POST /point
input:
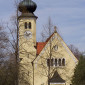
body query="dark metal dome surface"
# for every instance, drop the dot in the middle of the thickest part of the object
(27, 6)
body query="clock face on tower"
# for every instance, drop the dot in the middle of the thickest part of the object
(28, 35)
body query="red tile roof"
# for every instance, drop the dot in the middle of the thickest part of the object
(40, 46)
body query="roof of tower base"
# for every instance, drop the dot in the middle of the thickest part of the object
(27, 15)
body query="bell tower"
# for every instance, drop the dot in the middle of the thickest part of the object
(27, 20)
(27, 40)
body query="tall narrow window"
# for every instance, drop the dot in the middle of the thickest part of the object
(63, 62)
(51, 62)
(48, 62)
(59, 62)
(29, 25)
(25, 25)
(55, 62)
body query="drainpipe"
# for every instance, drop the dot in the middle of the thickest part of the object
(33, 71)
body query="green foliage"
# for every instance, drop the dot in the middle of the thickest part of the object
(79, 73)
(8, 74)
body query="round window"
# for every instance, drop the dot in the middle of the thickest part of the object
(55, 47)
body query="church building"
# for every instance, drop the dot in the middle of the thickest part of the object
(42, 63)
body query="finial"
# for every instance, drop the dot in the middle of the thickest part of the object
(55, 29)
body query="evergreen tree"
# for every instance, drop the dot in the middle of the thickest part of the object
(79, 73)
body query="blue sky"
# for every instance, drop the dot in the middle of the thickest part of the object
(67, 15)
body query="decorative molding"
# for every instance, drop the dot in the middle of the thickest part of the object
(62, 43)
(70, 54)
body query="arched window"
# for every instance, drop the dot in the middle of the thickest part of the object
(48, 62)
(52, 62)
(29, 25)
(59, 62)
(63, 62)
(25, 25)
(55, 62)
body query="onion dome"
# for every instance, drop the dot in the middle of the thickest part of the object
(27, 6)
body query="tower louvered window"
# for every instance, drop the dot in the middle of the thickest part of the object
(25, 25)
(29, 25)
